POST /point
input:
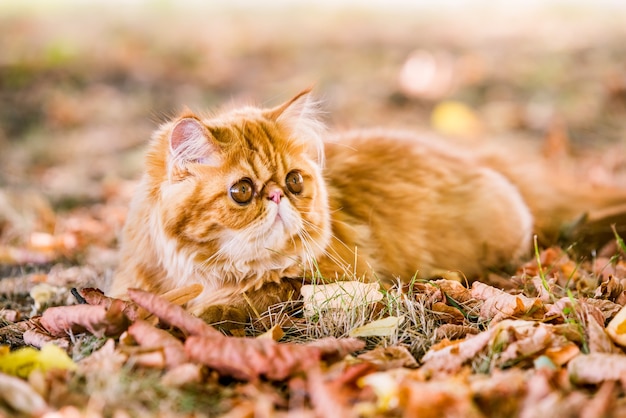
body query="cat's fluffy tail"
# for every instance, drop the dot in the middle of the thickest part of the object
(563, 205)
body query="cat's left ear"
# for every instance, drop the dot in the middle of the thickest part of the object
(301, 116)
(190, 141)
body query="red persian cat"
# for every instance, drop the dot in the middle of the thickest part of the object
(251, 201)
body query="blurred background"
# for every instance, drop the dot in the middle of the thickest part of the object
(84, 83)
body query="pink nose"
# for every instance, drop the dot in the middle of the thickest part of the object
(275, 195)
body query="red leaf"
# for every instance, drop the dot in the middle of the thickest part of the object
(151, 337)
(250, 358)
(172, 314)
(96, 297)
(98, 320)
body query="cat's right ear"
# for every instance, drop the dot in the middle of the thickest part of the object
(190, 141)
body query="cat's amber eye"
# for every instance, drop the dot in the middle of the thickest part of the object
(242, 191)
(294, 182)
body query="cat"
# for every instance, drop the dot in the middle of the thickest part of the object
(251, 201)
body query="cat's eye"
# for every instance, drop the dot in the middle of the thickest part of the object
(242, 191)
(294, 182)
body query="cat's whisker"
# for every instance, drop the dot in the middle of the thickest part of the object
(332, 236)
(325, 252)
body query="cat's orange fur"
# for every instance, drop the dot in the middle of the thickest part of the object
(381, 205)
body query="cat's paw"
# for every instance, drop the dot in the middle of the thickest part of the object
(225, 317)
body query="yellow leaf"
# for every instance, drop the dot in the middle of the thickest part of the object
(23, 361)
(380, 328)
(455, 119)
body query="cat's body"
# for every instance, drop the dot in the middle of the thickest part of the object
(243, 202)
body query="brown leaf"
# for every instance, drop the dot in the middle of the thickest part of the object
(105, 360)
(502, 390)
(387, 358)
(609, 289)
(448, 313)
(21, 397)
(183, 374)
(152, 338)
(606, 307)
(596, 368)
(454, 332)
(331, 347)
(326, 399)
(251, 358)
(96, 297)
(597, 338)
(454, 290)
(37, 339)
(172, 314)
(500, 305)
(98, 320)
(447, 398)
(451, 358)
(600, 404)
(527, 340)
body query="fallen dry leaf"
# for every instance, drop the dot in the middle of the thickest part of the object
(560, 355)
(21, 397)
(172, 314)
(326, 399)
(61, 320)
(251, 358)
(499, 305)
(386, 386)
(502, 390)
(106, 359)
(340, 295)
(526, 340)
(331, 347)
(606, 307)
(596, 368)
(452, 357)
(94, 296)
(449, 398)
(23, 361)
(183, 374)
(600, 404)
(152, 338)
(454, 290)
(610, 289)
(380, 328)
(390, 357)
(448, 313)
(454, 332)
(37, 338)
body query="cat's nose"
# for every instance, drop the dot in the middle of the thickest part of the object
(275, 195)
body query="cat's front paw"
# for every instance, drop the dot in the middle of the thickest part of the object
(224, 317)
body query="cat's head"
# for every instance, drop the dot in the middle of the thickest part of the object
(243, 189)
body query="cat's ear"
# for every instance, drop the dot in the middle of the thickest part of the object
(301, 116)
(190, 141)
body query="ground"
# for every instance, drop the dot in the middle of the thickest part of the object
(83, 86)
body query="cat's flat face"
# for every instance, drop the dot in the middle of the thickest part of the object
(244, 190)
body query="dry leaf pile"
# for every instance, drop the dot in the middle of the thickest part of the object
(550, 345)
